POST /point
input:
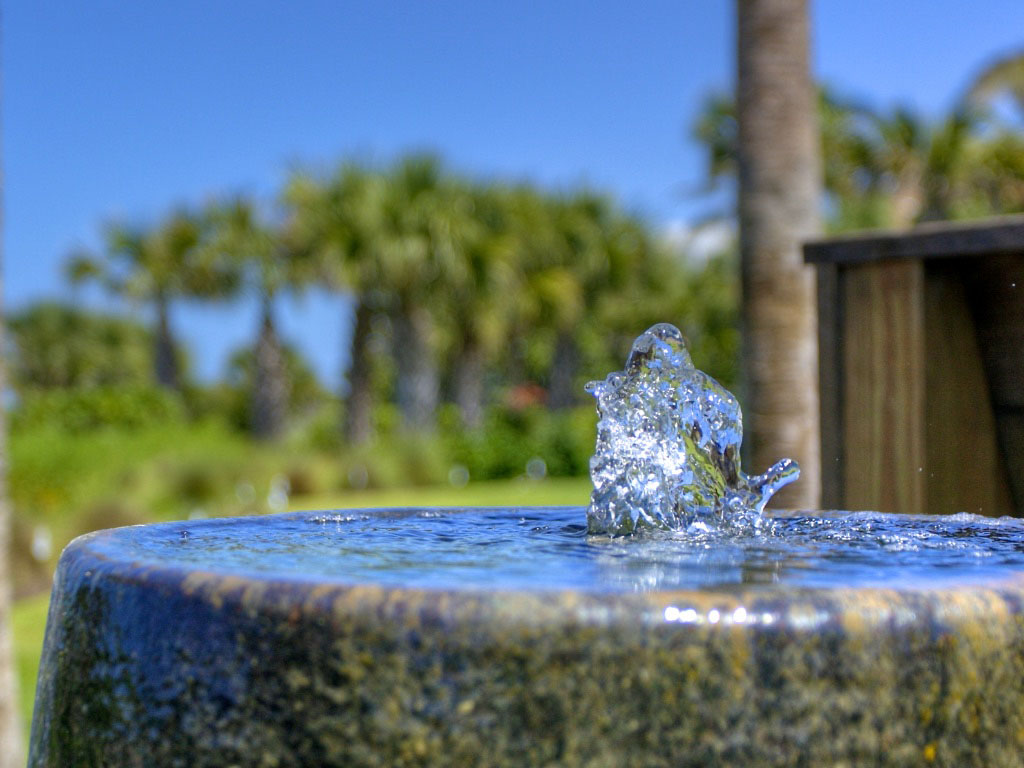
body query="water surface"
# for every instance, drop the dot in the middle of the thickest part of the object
(548, 548)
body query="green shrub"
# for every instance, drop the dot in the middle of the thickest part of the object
(199, 482)
(82, 410)
(109, 514)
(509, 439)
(302, 481)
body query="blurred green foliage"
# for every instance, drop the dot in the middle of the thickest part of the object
(892, 168)
(82, 409)
(58, 346)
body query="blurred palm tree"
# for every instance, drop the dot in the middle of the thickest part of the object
(997, 166)
(242, 241)
(154, 266)
(482, 289)
(894, 169)
(423, 226)
(1003, 78)
(339, 223)
(564, 267)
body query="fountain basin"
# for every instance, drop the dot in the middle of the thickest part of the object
(162, 652)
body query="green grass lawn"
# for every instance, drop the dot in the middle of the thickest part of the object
(29, 618)
(496, 493)
(28, 622)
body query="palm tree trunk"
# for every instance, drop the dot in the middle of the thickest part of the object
(418, 385)
(358, 427)
(563, 372)
(270, 382)
(779, 175)
(469, 383)
(166, 362)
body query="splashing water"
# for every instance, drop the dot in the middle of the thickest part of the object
(668, 447)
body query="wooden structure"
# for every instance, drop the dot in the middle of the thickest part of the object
(922, 368)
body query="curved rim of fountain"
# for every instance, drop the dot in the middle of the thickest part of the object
(717, 608)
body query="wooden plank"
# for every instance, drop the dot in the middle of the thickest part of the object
(1004, 235)
(884, 378)
(963, 467)
(830, 383)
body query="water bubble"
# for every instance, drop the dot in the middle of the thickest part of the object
(358, 476)
(536, 468)
(281, 482)
(245, 493)
(458, 476)
(42, 544)
(277, 497)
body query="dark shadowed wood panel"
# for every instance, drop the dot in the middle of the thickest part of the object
(884, 380)
(963, 467)
(995, 291)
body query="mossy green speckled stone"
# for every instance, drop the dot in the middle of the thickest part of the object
(158, 665)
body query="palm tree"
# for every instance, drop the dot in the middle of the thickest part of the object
(779, 182)
(239, 239)
(997, 165)
(422, 225)
(1004, 77)
(994, 179)
(855, 182)
(154, 266)
(339, 222)
(561, 253)
(481, 291)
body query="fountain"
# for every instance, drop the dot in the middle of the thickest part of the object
(674, 623)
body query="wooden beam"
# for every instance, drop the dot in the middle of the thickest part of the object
(927, 241)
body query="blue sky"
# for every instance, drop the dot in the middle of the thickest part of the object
(122, 110)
